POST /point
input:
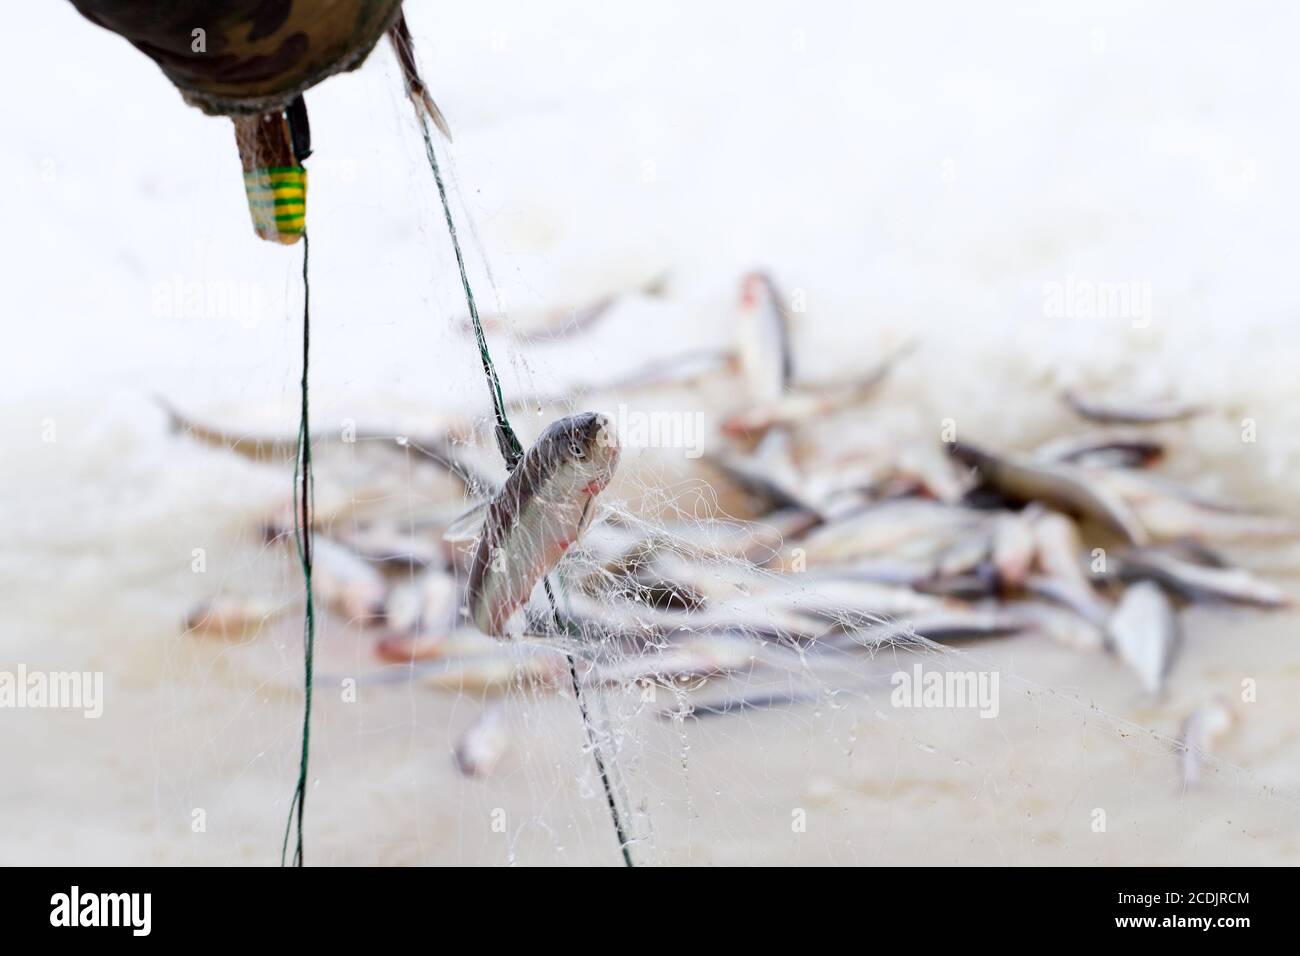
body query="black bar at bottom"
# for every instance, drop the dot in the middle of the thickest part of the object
(329, 906)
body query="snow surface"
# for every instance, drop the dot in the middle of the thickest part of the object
(921, 170)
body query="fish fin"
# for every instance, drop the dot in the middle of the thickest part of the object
(399, 34)
(656, 287)
(434, 114)
(176, 422)
(469, 526)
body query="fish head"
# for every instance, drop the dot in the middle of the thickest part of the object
(756, 290)
(584, 451)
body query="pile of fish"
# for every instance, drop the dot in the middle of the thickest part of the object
(1080, 541)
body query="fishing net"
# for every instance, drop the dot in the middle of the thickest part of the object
(784, 636)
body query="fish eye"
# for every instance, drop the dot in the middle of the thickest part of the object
(576, 450)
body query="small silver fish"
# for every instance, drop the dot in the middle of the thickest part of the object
(975, 585)
(1063, 626)
(775, 490)
(1064, 581)
(1130, 412)
(769, 700)
(232, 616)
(1065, 593)
(752, 619)
(1135, 486)
(1197, 582)
(1170, 512)
(720, 581)
(1061, 486)
(1014, 546)
(943, 626)
(390, 547)
(909, 574)
(484, 742)
(766, 360)
(903, 528)
(348, 584)
(852, 600)
(719, 538)
(254, 447)
(563, 322)
(966, 554)
(612, 546)
(801, 403)
(696, 657)
(1169, 518)
(546, 504)
(681, 370)
(1103, 449)
(507, 666)
(437, 449)
(1202, 731)
(769, 473)
(463, 660)
(1143, 631)
(419, 615)
(621, 614)
(931, 472)
(1058, 546)
(425, 604)
(405, 647)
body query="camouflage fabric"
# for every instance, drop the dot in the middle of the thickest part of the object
(252, 56)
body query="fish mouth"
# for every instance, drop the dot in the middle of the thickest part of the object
(604, 435)
(737, 427)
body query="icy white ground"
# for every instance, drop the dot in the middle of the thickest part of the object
(929, 170)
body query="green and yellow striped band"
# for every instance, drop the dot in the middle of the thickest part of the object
(277, 200)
